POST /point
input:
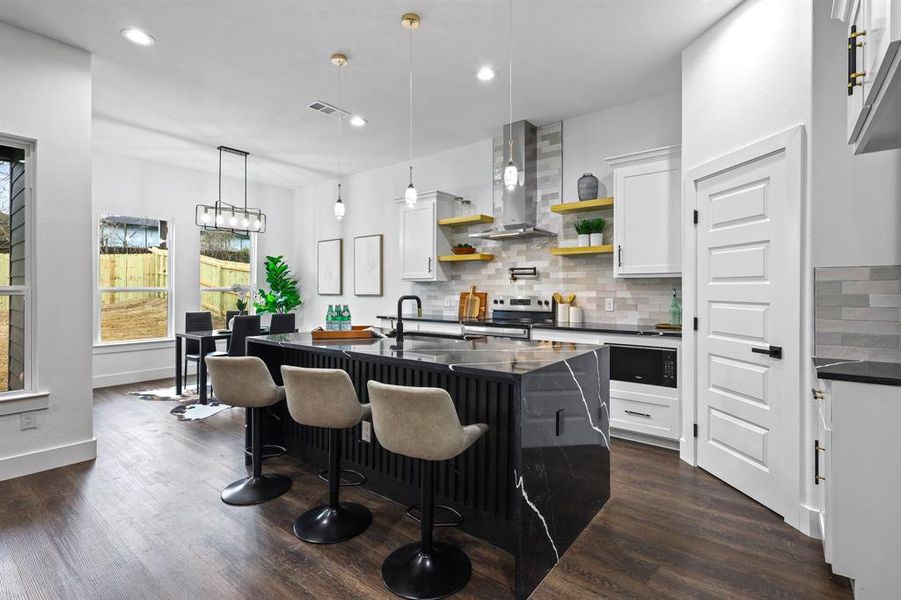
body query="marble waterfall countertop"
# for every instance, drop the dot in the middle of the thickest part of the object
(493, 356)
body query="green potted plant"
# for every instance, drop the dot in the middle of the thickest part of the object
(283, 295)
(597, 232)
(583, 229)
(463, 249)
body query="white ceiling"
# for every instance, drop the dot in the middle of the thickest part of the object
(241, 72)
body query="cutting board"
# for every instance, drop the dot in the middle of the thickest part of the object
(483, 303)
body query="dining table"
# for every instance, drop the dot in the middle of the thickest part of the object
(205, 339)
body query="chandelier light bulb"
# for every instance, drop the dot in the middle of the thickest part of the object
(256, 224)
(205, 217)
(233, 220)
(245, 222)
(220, 219)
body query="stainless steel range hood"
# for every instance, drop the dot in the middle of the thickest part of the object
(519, 211)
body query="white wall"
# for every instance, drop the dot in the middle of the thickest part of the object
(856, 199)
(590, 138)
(746, 78)
(465, 171)
(45, 95)
(134, 187)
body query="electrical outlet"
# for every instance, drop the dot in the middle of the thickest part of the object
(28, 420)
(447, 302)
(608, 304)
(366, 432)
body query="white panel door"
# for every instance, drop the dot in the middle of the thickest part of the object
(748, 284)
(417, 241)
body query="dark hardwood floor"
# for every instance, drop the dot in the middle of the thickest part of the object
(145, 521)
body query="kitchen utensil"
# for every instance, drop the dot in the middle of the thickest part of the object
(570, 299)
(472, 304)
(483, 305)
(558, 297)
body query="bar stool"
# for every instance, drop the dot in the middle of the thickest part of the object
(326, 398)
(422, 423)
(245, 381)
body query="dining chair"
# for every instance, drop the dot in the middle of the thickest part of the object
(242, 327)
(196, 321)
(282, 323)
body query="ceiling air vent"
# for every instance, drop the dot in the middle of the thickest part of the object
(327, 109)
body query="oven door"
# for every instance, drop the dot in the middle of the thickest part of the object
(643, 364)
(506, 331)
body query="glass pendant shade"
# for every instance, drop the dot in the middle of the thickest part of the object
(511, 175)
(410, 196)
(339, 205)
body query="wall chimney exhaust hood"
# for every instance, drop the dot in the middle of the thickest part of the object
(519, 209)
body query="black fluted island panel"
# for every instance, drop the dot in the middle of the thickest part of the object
(532, 484)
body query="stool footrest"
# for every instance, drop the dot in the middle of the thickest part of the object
(415, 513)
(269, 451)
(361, 479)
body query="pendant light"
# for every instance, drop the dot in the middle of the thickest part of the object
(223, 216)
(339, 60)
(511, 174)
(410, 21)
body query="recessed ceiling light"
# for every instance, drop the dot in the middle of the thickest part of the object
(357, 121)
(136, 36)
(486, 74)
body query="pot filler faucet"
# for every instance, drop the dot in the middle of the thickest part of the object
(399, 326)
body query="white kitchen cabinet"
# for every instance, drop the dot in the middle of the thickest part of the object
(874, 75)
(647, 209)
(859, 483)
(421, 240)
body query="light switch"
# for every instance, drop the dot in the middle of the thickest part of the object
(608, 304)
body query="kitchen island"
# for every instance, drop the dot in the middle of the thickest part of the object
(531, 484)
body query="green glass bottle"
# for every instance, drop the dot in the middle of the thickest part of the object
(675, 310)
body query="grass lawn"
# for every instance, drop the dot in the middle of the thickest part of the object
(138, 319)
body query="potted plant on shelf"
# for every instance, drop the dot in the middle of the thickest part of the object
(283, 295)
(596, 237)
(583, 228)
(463, 249)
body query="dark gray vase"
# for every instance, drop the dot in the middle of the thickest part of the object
(588, 187)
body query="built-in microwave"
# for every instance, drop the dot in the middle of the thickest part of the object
(643, 364)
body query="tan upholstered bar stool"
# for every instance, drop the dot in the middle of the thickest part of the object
(245, 381)
(326, 398)
(422, 423)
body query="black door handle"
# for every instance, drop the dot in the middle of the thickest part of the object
(772, 351)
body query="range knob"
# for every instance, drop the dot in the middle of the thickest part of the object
(494, 301)
(501, 301)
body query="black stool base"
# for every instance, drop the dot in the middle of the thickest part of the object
(410, 574)
(326, 525)
(254, 490)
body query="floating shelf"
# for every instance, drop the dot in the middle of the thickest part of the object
(466, 220)
(583, 206)
(575, 250)
(466, 257)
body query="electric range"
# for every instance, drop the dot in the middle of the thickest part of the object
(513, 317)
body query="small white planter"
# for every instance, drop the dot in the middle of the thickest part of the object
(584, 240)
(596, 239)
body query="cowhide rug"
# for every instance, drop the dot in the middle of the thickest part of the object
(188, 409)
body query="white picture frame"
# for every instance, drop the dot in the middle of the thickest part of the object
(368, 265)
(330, 257)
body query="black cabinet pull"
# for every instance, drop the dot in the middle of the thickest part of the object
(619, 255)
(772, 351)
(638, 414)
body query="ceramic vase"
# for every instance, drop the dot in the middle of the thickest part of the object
(588, 187)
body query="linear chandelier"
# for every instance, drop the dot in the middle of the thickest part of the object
(222, 216)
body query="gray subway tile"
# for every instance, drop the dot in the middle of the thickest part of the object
(828, 338)
(843, 300)
(870, 314)
(842, 352)
(828, 287)
(834, 312)
(883, 327)
(883, 355)
(885, 273)
(839, 326)
(887, 286)
(885, 299)
(842, 273)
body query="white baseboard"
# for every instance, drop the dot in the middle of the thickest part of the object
(810, 522)
(101, 381)
(49, 458)
(644, 439)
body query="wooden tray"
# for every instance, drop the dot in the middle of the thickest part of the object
(668, 326)
(483, 304)
(357, 332)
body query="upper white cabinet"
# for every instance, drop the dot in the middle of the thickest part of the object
(421, 240)
(874, 75)
(647, 227)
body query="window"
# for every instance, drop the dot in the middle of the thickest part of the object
(225, 261)
(14, 280)
(133, 279)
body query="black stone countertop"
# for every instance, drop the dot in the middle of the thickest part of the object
(494, 357)
(861, 371)
(648, 330)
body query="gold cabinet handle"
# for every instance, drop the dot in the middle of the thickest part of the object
(821, 478)
(820, 448)
(857, 34)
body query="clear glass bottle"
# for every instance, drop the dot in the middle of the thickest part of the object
(675, 310)
(347, 318)
(330, 318)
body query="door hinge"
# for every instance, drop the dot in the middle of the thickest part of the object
(696, 430)
(695, 323)
(696, 216)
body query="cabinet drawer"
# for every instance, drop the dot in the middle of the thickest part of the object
(644, 413)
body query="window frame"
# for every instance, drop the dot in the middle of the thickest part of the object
(169, 289)
(251, 309)
(30, 380)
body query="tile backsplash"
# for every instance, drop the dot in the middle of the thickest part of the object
(858, 313)
(590, 278)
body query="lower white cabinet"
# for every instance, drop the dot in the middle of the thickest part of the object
(858, 475)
